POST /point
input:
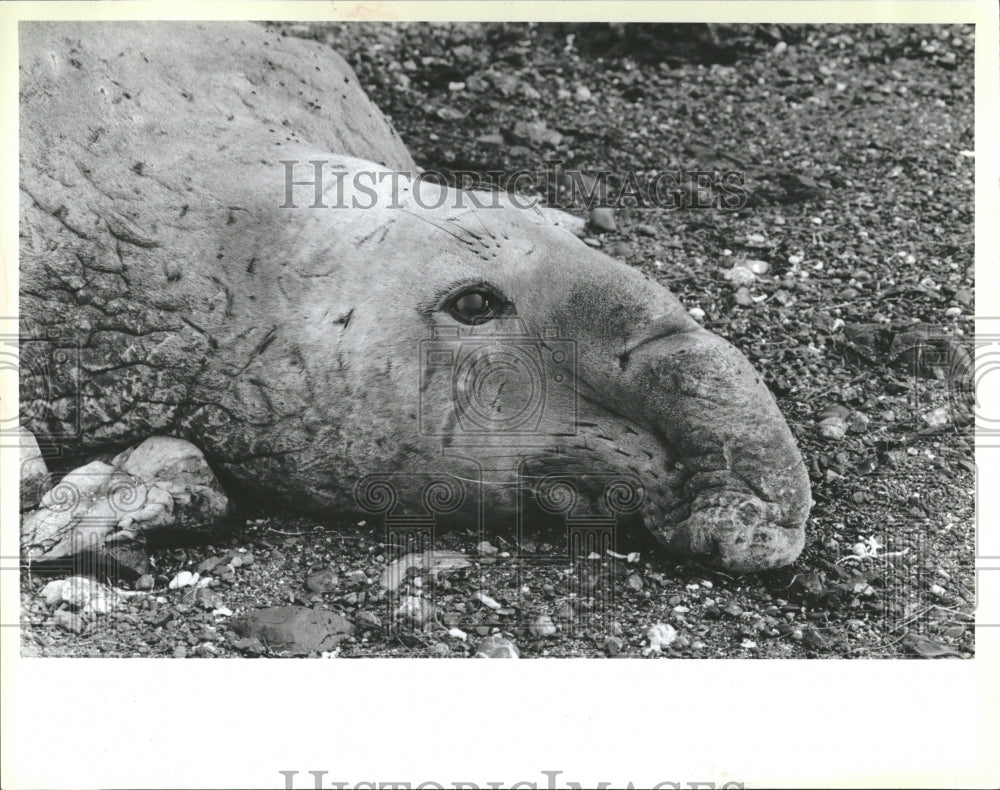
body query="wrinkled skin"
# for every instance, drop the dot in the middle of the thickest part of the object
(164, 291)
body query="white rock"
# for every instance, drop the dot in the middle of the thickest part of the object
(458, 633)
(697, 313)
(183, 579)
(740, 275)
(660, 636)
(415, 609)
(484, 599)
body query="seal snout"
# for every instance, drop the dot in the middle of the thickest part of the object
(744, 497)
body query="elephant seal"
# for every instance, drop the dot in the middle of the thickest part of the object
(342, 343)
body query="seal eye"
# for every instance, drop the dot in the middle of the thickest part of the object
(475, 306)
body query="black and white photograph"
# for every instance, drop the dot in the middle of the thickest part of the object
(394, 335)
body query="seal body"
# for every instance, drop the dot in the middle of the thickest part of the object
(223, 240)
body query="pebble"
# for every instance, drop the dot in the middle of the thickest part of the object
(542, 626)
(660, 635)
(323, 581)
(634, 582)
(743, 297)
(207, 649)
(697, 313)
(602, 218)
(145, 582)
(645, 230)
(486, 600)
(613, 645)
(496, 646)
(369, 619)
(859, 549)
(183, 579)
(937, 589)
(487, 549)
(417, 610)
(68, 621)
(180, 651)
(207, 565)
(733, 610)
(356, 577)
(834, 428)
(583, 93)
(740, 275)
(758, 267)
(458, 633)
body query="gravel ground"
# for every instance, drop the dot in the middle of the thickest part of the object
(856, 145)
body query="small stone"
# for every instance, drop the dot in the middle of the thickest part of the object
(542, 626)
(758, 267)
(367, 619)
(440, 649)
(953, 312)
(207, 566)
(486, 600)
(733, 610)
(68, 621)
(206, 599)
(207, 649)
(634, 582)
(456, 86)
(613, 645)
(660, 636)
(834, 428)
(938, 418)
(486, 548)
(583, 93)
(418, 611)
(356, 576)
(697, 313)
(496, 646)
(458, 633)
(145, 582)
(740, 275)
(323, 581)
(743, 298)
(603, 219)
(183, 579)
(645, 230)
(490, 140)
(247, 559)
(937, 590)
(859, 549)
(180, 651)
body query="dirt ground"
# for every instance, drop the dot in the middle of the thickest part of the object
(856, 149)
